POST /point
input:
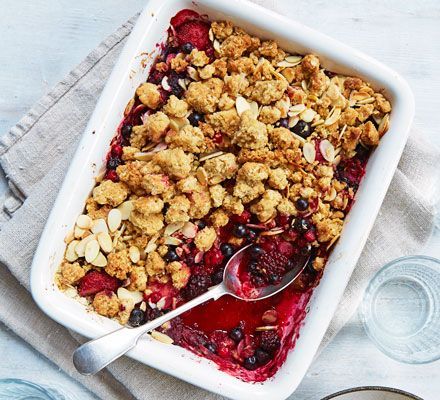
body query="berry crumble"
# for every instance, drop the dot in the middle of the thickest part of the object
(231, 141)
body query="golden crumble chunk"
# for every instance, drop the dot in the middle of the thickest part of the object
(224, 121)
(174, 162)
(155, 183)
(155, 265)
(278, 178)
(204, 96)
(370, 135)
(220, 168)
(108, 192)
(150, 224)
(125, 308)
(180, 274)
(269, 114)
(265, 208)
(71, 272)
(148, 205)
(175, 107)
(218, 193)
(252, 133)
(198, 58)
(235, 45)
(118, 264)
(106, 304)
(189, 138)
(205, 238)
(222, 29)
(236, 83)
(266, 92)
(219, 218)
(149, 95)
(157, 125)
(178, 209)
(138, 279)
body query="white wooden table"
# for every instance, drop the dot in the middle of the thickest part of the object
(42, 40)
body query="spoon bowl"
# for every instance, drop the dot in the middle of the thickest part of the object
(96, 354)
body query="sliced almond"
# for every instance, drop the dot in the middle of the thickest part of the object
(272, 232)
(84, 222)
(69, 237)
(143, 156)
(151, 246)
(285, 64)
(126, 208)
(172, 228)
(193, 73)
(105, 242)
(165, 84)
(304, 86)
(332, 195)
(91, 250)
(296, 110)
(161, 303)
(254, 109)
(143, 306)
(293, 121)
(99, 261)
(211, 155)
(99, 225)
(189, 230)
(129, 107)
(241, 105)
(266, 328)
(300, 138)
(384, 125)
(333, 116)
(71, 254)
(337, 160)
(114, 219)
(79, 232)
(202, 176)
(309, 152)
(368, 100)
(135, 296)
(172, 241)
(161, 337)
(308, 115)
(211, 35)
(182, 83)
(317, 123)
(80, 248)
(135, 254)
(327, 150)
(216, 45)
(71, 292)
(293, 59)
(176, 124)
(269, 316)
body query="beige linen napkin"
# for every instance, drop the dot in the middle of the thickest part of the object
(35, 155)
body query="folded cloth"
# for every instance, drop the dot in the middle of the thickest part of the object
(35, 155)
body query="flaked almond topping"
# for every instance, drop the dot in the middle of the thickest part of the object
(189, 230)
(272, 232)
(182, 83)
(161, 303)
(285, 64)
(143, 306)
(172, 228)
(71, 254)
(317, 123)
(193, 73)
(99, 225)
(142, 156)
(114, 219)
(199, 256)
(211, 35)
(84, 222)
(331, 196)
(241, 105)
(80, 248)
(151, 246)
(202, 176)
(308, 115)
(384, 125)
(333, 116)
(304, 86)
(216, 45)
(368, 100)
(161, 337)
(337, 160)
(211, 155)
(79, 232)
(296, 110)
(135, 296)
(91, 251)
(254, 109)
(266, 328)
(126, 208)
(172, 241)
(293, 121)
(129, 107)
(176, 124)
(294, 59)
(69, 237)
(71, 292)
(105, 242)
(135, 254)
(165, 84)
(341, 134)
(333, 241)
(327, 150)
(269, 317)
(99, 261)
(309, 152)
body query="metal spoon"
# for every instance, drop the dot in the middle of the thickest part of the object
(96, 354)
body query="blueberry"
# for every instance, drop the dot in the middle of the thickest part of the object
(301, 225)
(302, 129)
(171, 255)
(187, 48)
(301, 204)
(113, 163)
(239, 230)
(126, 130)
(236, 334)
(227, 249)
(261, 356)
(173, 81)
(250, 363)
(211, 347)
(284, 122)
(201, 224)
(195, 118)
(256, 251)
(137, 317)
(217, 277)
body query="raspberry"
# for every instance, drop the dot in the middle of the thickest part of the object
(197, 285)
(243, 218)
(155, 76)
(183, 16)
(194, 32)
(269, 341)
(350, 172)
(213, 259)
(96, 281)
(112, 175)
(117, 151)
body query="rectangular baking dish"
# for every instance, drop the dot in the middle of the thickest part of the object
(89, 160)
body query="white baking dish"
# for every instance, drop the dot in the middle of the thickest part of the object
(90, 157)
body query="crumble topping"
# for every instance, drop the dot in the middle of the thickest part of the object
(232, 140)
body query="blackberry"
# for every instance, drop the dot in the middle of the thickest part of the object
(197, 285)
(270, 341)
(261, 356)
(152, 313)
(217, 277)
(255, 251)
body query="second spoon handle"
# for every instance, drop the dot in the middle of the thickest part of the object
(96, 354)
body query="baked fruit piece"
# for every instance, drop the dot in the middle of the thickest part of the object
(232, 140)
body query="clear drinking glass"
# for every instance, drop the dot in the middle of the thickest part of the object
(401, 309)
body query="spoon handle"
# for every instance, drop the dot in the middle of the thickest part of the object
(96, 354)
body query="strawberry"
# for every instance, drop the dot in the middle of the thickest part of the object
(183, 16)
(194, 32)
(96, 281)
